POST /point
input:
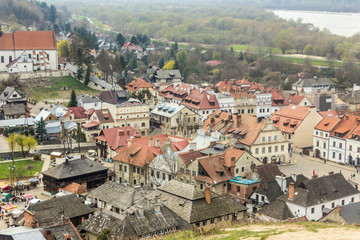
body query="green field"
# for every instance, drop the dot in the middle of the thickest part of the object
(52, 89)
(20, 168)
(314, 62)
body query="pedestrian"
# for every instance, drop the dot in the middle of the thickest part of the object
(313, 172)
(294, 161)
(357, 170)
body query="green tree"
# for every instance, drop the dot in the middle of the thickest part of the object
(64, 48)
(120, 40)
(52, 14)
(309, 49)
(87, 75)
(169, 65)
(161, 62)
(40, 130)
(30, 142)
(241, 56)
(79, 73)
(133, 63)
(134, 40)
(73, 101)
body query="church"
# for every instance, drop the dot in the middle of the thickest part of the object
(28, 51)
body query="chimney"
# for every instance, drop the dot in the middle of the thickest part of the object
(47, 234)
(331, 173)
(207, 194)
(291, 191)
(129, 142)
(128, 132)
(314, 176)
(121, 132)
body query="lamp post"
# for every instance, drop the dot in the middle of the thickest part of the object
(13, 163)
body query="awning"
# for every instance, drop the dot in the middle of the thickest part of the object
(8, 207)
(27, 195)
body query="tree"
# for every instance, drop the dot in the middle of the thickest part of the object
(103, 235)
(134, 40)
(133, 63)
(30, 142)
(120, 40)
(87, 75)
(40, 130)
(20, 142)
(161, 62)
(52, 14)
(105, 63)
(79, 73)
(64, 48)
(283, 45)
(79, 56)
(308, 49)
(241, 56)
(169, 65)
(73, 101)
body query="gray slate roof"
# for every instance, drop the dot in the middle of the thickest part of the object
(119, 195)
(114, 97)
(74, 168)
(351, 213)
(89, 99)
(7, 93)
(16, 109)
(184, 190)
(49, 212)
(165, 74)
(16, 122)
(60, 231)
(100, 82)
(311, 82)
(321, 190)
(271, 190)
(22, 233)
(277, 209)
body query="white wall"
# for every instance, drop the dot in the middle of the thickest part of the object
(264, 105)
(340, 153)
(321, 137)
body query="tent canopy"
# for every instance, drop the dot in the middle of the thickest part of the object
(27, 195)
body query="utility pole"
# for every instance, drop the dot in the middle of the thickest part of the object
(13, 164)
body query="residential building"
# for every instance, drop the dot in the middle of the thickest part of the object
(99, 119)
(27, 51)
(111, 139)
(201, 102)
(13, 111)
(297, 124)
(89, 102)
(264, 104)
(39, 106)
(83, 171)
(310, 85)
(314, 197)
(12, 96)
(175, 92)
(245, 104)
(113, 97)
(132, 164)
(322, 133)
(226, 102)
(174, 118)
(22, 233)
(353, 147)
(298, 100)
(340, 135)
(242, 188)
(131, 48)
(77, 115)
(199, 207)
(131, 113)
(347, 214)
(167, 76)
(140, 85)
(188, 165)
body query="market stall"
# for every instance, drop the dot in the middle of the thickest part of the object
(6, 197)
(8, 207)
(27, 196)
(5, 188)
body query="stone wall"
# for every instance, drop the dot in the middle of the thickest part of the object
(31, 75)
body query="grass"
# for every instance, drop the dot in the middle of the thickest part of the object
(314, 62)
(52, 90)
(20, 166)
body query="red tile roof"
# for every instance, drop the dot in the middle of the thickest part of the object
(74, 188)
(28, 40)
(189, 157)
(294, 99)
(90, 124)
(79, 112)
(117, 137)
(332, 114)
(215, 170)
(344, 128)
(232, 155)
(327, 124)
(289, 118)
(103, 116)
(178, 143)
(137, 84)
(200, 99)
(134, 154)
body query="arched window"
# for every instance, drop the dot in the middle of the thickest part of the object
(2, 59)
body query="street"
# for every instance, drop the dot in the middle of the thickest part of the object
(306, 165)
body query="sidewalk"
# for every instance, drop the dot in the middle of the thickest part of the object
(345, 167)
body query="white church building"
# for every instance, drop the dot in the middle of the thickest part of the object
(28, 51)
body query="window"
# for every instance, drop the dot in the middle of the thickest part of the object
(187, 172)
(237, 189)
(262, 198)
(163, 176)
(322, 207)
(193, 173)
(325, 145)
(204, 223)
(243, 169)
(143, 124)
(201, 186)
(256, 150)
(152, 172)
(334, 144)
(340, 145)
(350, 147)
(263, 150)
(333, 205)
(276, 148)
(317, 133)
(269, 149)
(275, 138)
(125, 168)
(343, 202)
(134, 169)
(138, 170)
(237, 170)
(289, 136)
(10, 59)
(37, 57)
(352, 199)
(333, 154)
(312, 210)
(317, 143)
(358, 149)
(120, 167)
(212, 220)
(48, 57)
(157, 174)
(2, 59)
(29, 56)
(263, 139)
(282, 147)
(339, 156)
(269, 138)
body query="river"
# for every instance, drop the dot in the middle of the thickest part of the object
(345, 24)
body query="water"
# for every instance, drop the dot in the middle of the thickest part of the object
(345, 24)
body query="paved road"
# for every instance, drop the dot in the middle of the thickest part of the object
(306, 165)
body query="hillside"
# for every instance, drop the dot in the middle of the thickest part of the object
(282, 231)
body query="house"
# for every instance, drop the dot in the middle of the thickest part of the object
(13, 111)
(140, 85)
(22, 233)
(132, 164)
(201, 102)
(188, 165)
(83, 171)
(343, 146)
(27, 51)
(141, 222)
(245, 104)
(98, 120)
(315, 197)
(199, 207)
(116, 197)
(77, 114)
(297, 124)
(167, 76)
(131, 113)
(20, 122)
(131, 47)
(347, 214)
(322, 133)
(297, 100)
(174, 118)
(53, 212)
(226, 102)
(46, 116)
(73, 188)
(39, 106)
(113, 97)
(242, 188)
(277, 211)
(111, 139)
(89, 102)
(264, 104)
(174, 93)
(310, 85)
(11, 96)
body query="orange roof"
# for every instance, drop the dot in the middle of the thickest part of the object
(344, 128)
(327, 123)
(232, 155)
(200, 99)
(332, 114)
(289, 118)
(25, 40)
(135, 154)
(137, 84)
(178, 143)
(118, 136)
(294, 99)
(214, 169)
(74, 188)
(90, 124)
(189, 157)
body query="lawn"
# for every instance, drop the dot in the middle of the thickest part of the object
(314, 62)
(20, 167)
(51, 89)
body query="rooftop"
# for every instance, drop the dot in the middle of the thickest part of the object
(244, 180)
